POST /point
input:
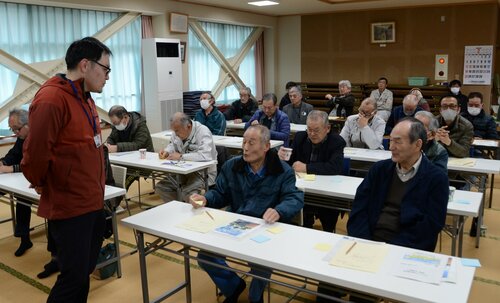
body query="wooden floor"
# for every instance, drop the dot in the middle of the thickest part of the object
(20, 284)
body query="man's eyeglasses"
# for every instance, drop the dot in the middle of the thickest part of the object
(106, 68)
(15, 130)
(451, 106)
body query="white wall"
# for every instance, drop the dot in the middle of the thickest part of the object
(288, 52)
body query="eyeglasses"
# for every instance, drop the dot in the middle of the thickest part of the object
(451, 106)
(314, 131)
(15, 130)
(106, 68)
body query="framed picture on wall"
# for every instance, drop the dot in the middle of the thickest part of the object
(178, 23)
(383, 32)
(183, 51)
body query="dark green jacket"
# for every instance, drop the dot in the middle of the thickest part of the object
(134, 137)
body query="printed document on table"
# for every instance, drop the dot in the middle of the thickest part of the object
(468, 162)
(206, 221)
(238, 228)
(421, 266)
(360, 255)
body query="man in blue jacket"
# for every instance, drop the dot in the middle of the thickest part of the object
(272, 118)
(408, 109)
(256, 184)
(402, 200)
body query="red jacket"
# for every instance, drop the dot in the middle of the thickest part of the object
(60, 155)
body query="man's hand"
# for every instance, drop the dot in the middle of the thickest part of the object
(363, 120)
(255, 122)
(237, 121)
(271, 215)
(6, 169)
(163, 154)
(443, 135)
(328, 96)
(197, 200)
(299, 167)
(174, 156)
(112, 148)
(282, 154)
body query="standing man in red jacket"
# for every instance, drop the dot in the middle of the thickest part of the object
(64, 161)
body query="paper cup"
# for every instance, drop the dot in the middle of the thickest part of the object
(288, 152)
(452, 193)
(142, 153)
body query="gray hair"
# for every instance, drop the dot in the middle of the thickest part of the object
(370, 101)
(247, 89)
(298, 88)
(345, 83)
(417, 130)
(270, 96)
(182, 119)
(433, 122)
(21, 114)
(265, 134)
(410, 99)
(318, 115)
(117, 111)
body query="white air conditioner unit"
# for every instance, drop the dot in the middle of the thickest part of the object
(162, 74)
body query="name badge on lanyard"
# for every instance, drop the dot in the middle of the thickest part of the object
(98, 140)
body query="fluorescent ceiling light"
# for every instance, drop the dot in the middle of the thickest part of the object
(264, 3)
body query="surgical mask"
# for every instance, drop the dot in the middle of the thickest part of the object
(121, 126)
(455, 90)
(449, 114)
(205, 103)
(474, 111)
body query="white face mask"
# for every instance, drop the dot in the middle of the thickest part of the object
(455, 90)
(474, 111)
(121, 126)
(449, 114)
(205, 103)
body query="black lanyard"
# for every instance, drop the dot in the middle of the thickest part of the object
(91, 121)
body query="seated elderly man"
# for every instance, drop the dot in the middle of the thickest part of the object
(191, 141)
(407, 109)
(456, 132)
(485, 126)
(243, 109)
(18, 123)
(256, 184)
(210, 116)
(434, 151)
(298, 110)
(272, 118)
(383, 97)
(130, 131)
(366, 129)
(402, 200)
(345, 100)
(317, 151)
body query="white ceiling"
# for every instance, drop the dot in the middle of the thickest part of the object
(302, 7)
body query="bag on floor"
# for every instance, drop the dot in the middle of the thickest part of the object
(107, 252)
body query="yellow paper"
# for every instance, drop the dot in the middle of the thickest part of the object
(203, 223)
(275, 230)
(199, 202)
(360, 256)
(306, 177)
(468, 162)
(323, 247)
